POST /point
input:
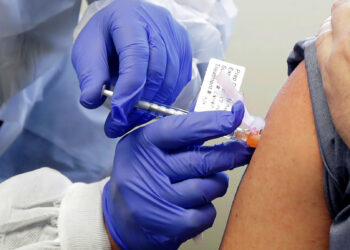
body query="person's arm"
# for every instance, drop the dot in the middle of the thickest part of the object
(280, 203)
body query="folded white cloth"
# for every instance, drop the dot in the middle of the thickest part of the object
(43, 209)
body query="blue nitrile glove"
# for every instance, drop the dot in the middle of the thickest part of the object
(141, 50)
(161, 187)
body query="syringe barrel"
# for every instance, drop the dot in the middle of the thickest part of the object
(153, 108)
(160, 110)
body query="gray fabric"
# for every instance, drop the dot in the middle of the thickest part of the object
(335, 154)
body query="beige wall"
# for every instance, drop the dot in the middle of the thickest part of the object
(264, 35)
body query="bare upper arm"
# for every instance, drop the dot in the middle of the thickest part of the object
(280, 203)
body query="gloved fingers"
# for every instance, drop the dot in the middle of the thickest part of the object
(168, 34)
(172, 72)
(156, 67)
(206, 161)
(131, 44)
(198, 191)
(184, 64)
(155, 77)
(183, 130)
(198, 220)
(92, 68)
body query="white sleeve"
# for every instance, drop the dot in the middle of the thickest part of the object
(42, 209)
(80, 223)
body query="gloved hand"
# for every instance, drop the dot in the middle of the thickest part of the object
(141, 50)
(161, 187)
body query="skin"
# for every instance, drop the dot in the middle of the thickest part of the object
(333, 51)
(114, 245)
(280, 203)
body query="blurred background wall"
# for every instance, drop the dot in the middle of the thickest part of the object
(264, 34)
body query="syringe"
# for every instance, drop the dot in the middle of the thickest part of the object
(153, 108)
(251, 138)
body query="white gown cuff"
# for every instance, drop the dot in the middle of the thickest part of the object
(81, 223)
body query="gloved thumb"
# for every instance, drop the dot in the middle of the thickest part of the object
(184, 130)
(206, 161)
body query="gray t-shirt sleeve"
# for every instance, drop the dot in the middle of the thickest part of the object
(334, 152)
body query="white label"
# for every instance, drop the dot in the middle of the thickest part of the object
(212, 96)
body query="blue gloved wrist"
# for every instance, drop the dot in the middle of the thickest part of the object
(112, 229)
